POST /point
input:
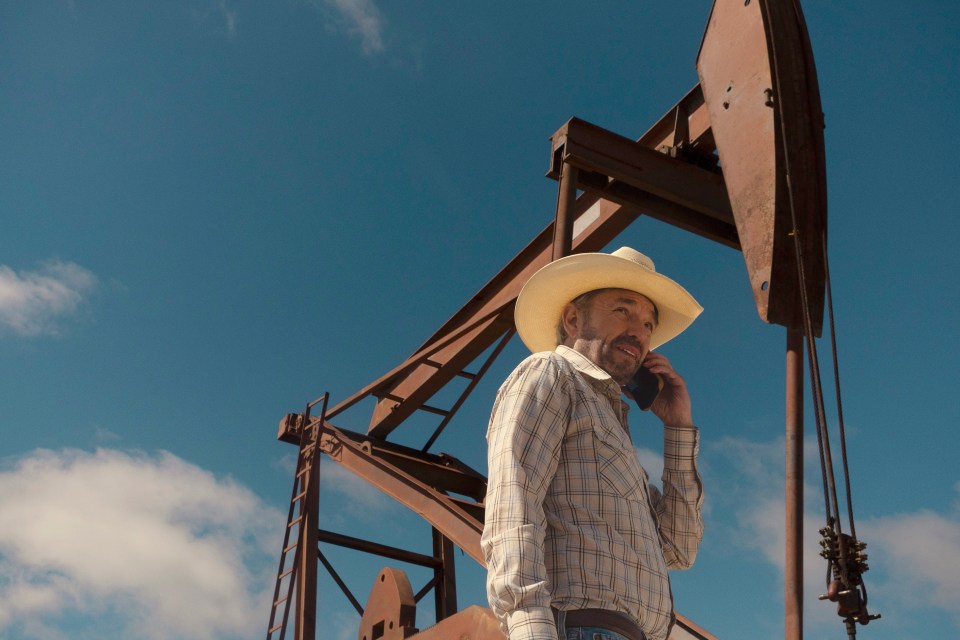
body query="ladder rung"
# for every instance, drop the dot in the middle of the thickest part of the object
(440, 365)
(292, 546)
(284, 574)
(429, 409)
(294, 521)
(280, 601)
(298, 496)
(274, 628)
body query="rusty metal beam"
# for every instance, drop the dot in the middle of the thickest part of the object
(441, 471)
(473, 623)
(474, 380)
(459, 520)
(793, 520)
(633, 175)
(306, 614)
(567, 177)
(687, 124)
(445, 576)
(386, 551)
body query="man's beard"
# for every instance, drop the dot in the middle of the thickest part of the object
(618, 364)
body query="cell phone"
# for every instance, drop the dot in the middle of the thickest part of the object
(644, 387)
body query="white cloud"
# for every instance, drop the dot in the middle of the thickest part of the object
(31, 302)
(363, 19)
(158, 546)
(922, 551)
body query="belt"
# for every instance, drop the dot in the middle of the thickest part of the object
(603, 618)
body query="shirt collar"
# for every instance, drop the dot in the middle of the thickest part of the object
(584, 365)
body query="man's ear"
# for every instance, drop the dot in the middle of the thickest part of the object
(570, 318)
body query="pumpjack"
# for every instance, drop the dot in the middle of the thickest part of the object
(738, 160)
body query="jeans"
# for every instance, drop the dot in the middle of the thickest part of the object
(592, 633)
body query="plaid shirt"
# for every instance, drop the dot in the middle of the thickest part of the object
(571, 521)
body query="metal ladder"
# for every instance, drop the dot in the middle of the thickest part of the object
(302, 496)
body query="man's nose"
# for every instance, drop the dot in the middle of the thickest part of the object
(640, 332)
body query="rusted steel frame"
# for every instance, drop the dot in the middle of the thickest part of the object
(693, 629)
(442, 472)
(425, 589)
(566, 196)
(448, 515)
(385, 551)
(473, 623)
(426, 379)
(595, 149)
(304, 502)
(626, 172)
(445, 588)
(793, 526)
(596, 223)
(466, 392)
(391, 609)
(687, 122)
(422, 356)
(306, 622)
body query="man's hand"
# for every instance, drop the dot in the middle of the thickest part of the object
(673, 403)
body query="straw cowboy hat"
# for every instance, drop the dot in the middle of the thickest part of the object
(543, 297)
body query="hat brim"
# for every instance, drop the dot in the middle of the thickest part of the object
(548, 291)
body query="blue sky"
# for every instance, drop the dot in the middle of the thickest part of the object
(216, 210)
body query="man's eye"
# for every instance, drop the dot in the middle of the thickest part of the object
(649, 326)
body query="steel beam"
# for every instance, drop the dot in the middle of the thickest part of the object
(459, 520)
(793, 521)
(633, 175)
(386, 551)
(445, 575)
(305, 626)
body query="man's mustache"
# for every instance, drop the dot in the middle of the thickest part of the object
(629, 341)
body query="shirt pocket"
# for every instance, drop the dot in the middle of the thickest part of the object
(619, 469)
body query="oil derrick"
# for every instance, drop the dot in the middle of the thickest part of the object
(738, 160)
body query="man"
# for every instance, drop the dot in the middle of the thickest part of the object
(576, 541)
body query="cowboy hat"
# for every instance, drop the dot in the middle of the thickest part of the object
(545, 294)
